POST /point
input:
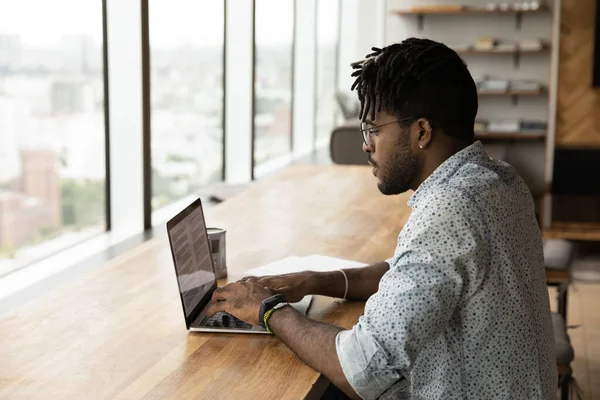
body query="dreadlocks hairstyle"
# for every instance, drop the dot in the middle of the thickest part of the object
(418, 78)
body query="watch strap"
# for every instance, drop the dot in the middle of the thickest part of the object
(269, 313)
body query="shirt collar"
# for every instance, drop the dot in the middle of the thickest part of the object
(447, 169)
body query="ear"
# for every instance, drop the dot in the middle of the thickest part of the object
(424, 132)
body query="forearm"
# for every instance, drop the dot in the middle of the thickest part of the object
(313, 343)
(362, 282)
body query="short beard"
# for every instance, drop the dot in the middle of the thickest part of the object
(402, 169)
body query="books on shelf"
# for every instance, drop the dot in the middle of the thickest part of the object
(510, 126)
(480, 126)
(527, 5)
(534, 126)
(459, 47)
(488, 44)
(504, 125)
(525, 86)
(485, 43)
(531, 45)
(506, 47)
(512, 6)
(486, 84)
(491, 7)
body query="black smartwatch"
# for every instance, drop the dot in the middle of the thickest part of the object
(268, 304)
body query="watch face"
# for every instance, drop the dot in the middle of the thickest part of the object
(268, 304)
(273, 300)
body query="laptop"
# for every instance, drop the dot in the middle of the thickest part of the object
(196, 277)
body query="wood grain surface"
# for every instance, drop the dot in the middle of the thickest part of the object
(118, 332)
(578, 118)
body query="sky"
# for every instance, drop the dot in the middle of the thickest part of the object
(172, 22)
(43, 22)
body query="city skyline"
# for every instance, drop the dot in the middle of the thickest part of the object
(52, 103)
(52, 134)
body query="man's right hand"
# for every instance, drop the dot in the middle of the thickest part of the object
(292, 286)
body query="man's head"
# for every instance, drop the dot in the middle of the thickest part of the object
(418, 107)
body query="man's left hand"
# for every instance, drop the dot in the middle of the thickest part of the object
(240, 299)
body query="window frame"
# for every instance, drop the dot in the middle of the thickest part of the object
(154, 217)
(284, 158)
(317, 143)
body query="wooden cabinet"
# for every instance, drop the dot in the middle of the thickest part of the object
(578, 109)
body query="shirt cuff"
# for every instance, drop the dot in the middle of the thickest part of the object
(364, 363)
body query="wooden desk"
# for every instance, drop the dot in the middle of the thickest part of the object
(118, 332)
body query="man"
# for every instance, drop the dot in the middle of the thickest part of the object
(461, 311)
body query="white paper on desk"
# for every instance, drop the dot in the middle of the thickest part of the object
(294, 264)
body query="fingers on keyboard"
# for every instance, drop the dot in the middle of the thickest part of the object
(225, 320)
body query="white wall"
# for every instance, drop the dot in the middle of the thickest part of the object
(362, 27)
(348, 43)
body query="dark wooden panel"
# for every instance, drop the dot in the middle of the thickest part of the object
(578, 116)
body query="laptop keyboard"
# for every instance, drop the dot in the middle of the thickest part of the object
(224, 320)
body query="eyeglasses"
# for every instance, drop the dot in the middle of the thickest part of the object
(369, 131)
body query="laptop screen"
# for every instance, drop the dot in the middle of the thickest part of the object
(192, 256)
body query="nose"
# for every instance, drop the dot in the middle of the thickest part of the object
(366, 149)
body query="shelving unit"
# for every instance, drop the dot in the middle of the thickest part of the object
(466, 11)
(473, 52)
(421, 12)
(573, 231)
(516, 54)
(520, 93)
(528, 149)
(484, 135)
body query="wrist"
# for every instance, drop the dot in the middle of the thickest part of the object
(278, 317)
(269, 313)
(311, 282)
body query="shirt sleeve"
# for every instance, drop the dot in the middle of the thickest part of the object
(414, 303)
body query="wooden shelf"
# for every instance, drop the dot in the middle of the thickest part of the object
(521, 93)
(573, 231)
(500, 52)
(509, 136)
(557, 276)
(466, 11)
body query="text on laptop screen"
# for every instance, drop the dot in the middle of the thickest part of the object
(193, 262)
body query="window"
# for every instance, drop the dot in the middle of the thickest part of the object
(327, 42)
(274, 37)
(52, 131)
(186, 45)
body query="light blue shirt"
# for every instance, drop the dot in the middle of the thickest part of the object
(463, 312)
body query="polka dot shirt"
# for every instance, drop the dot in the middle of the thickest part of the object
(463, 312)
